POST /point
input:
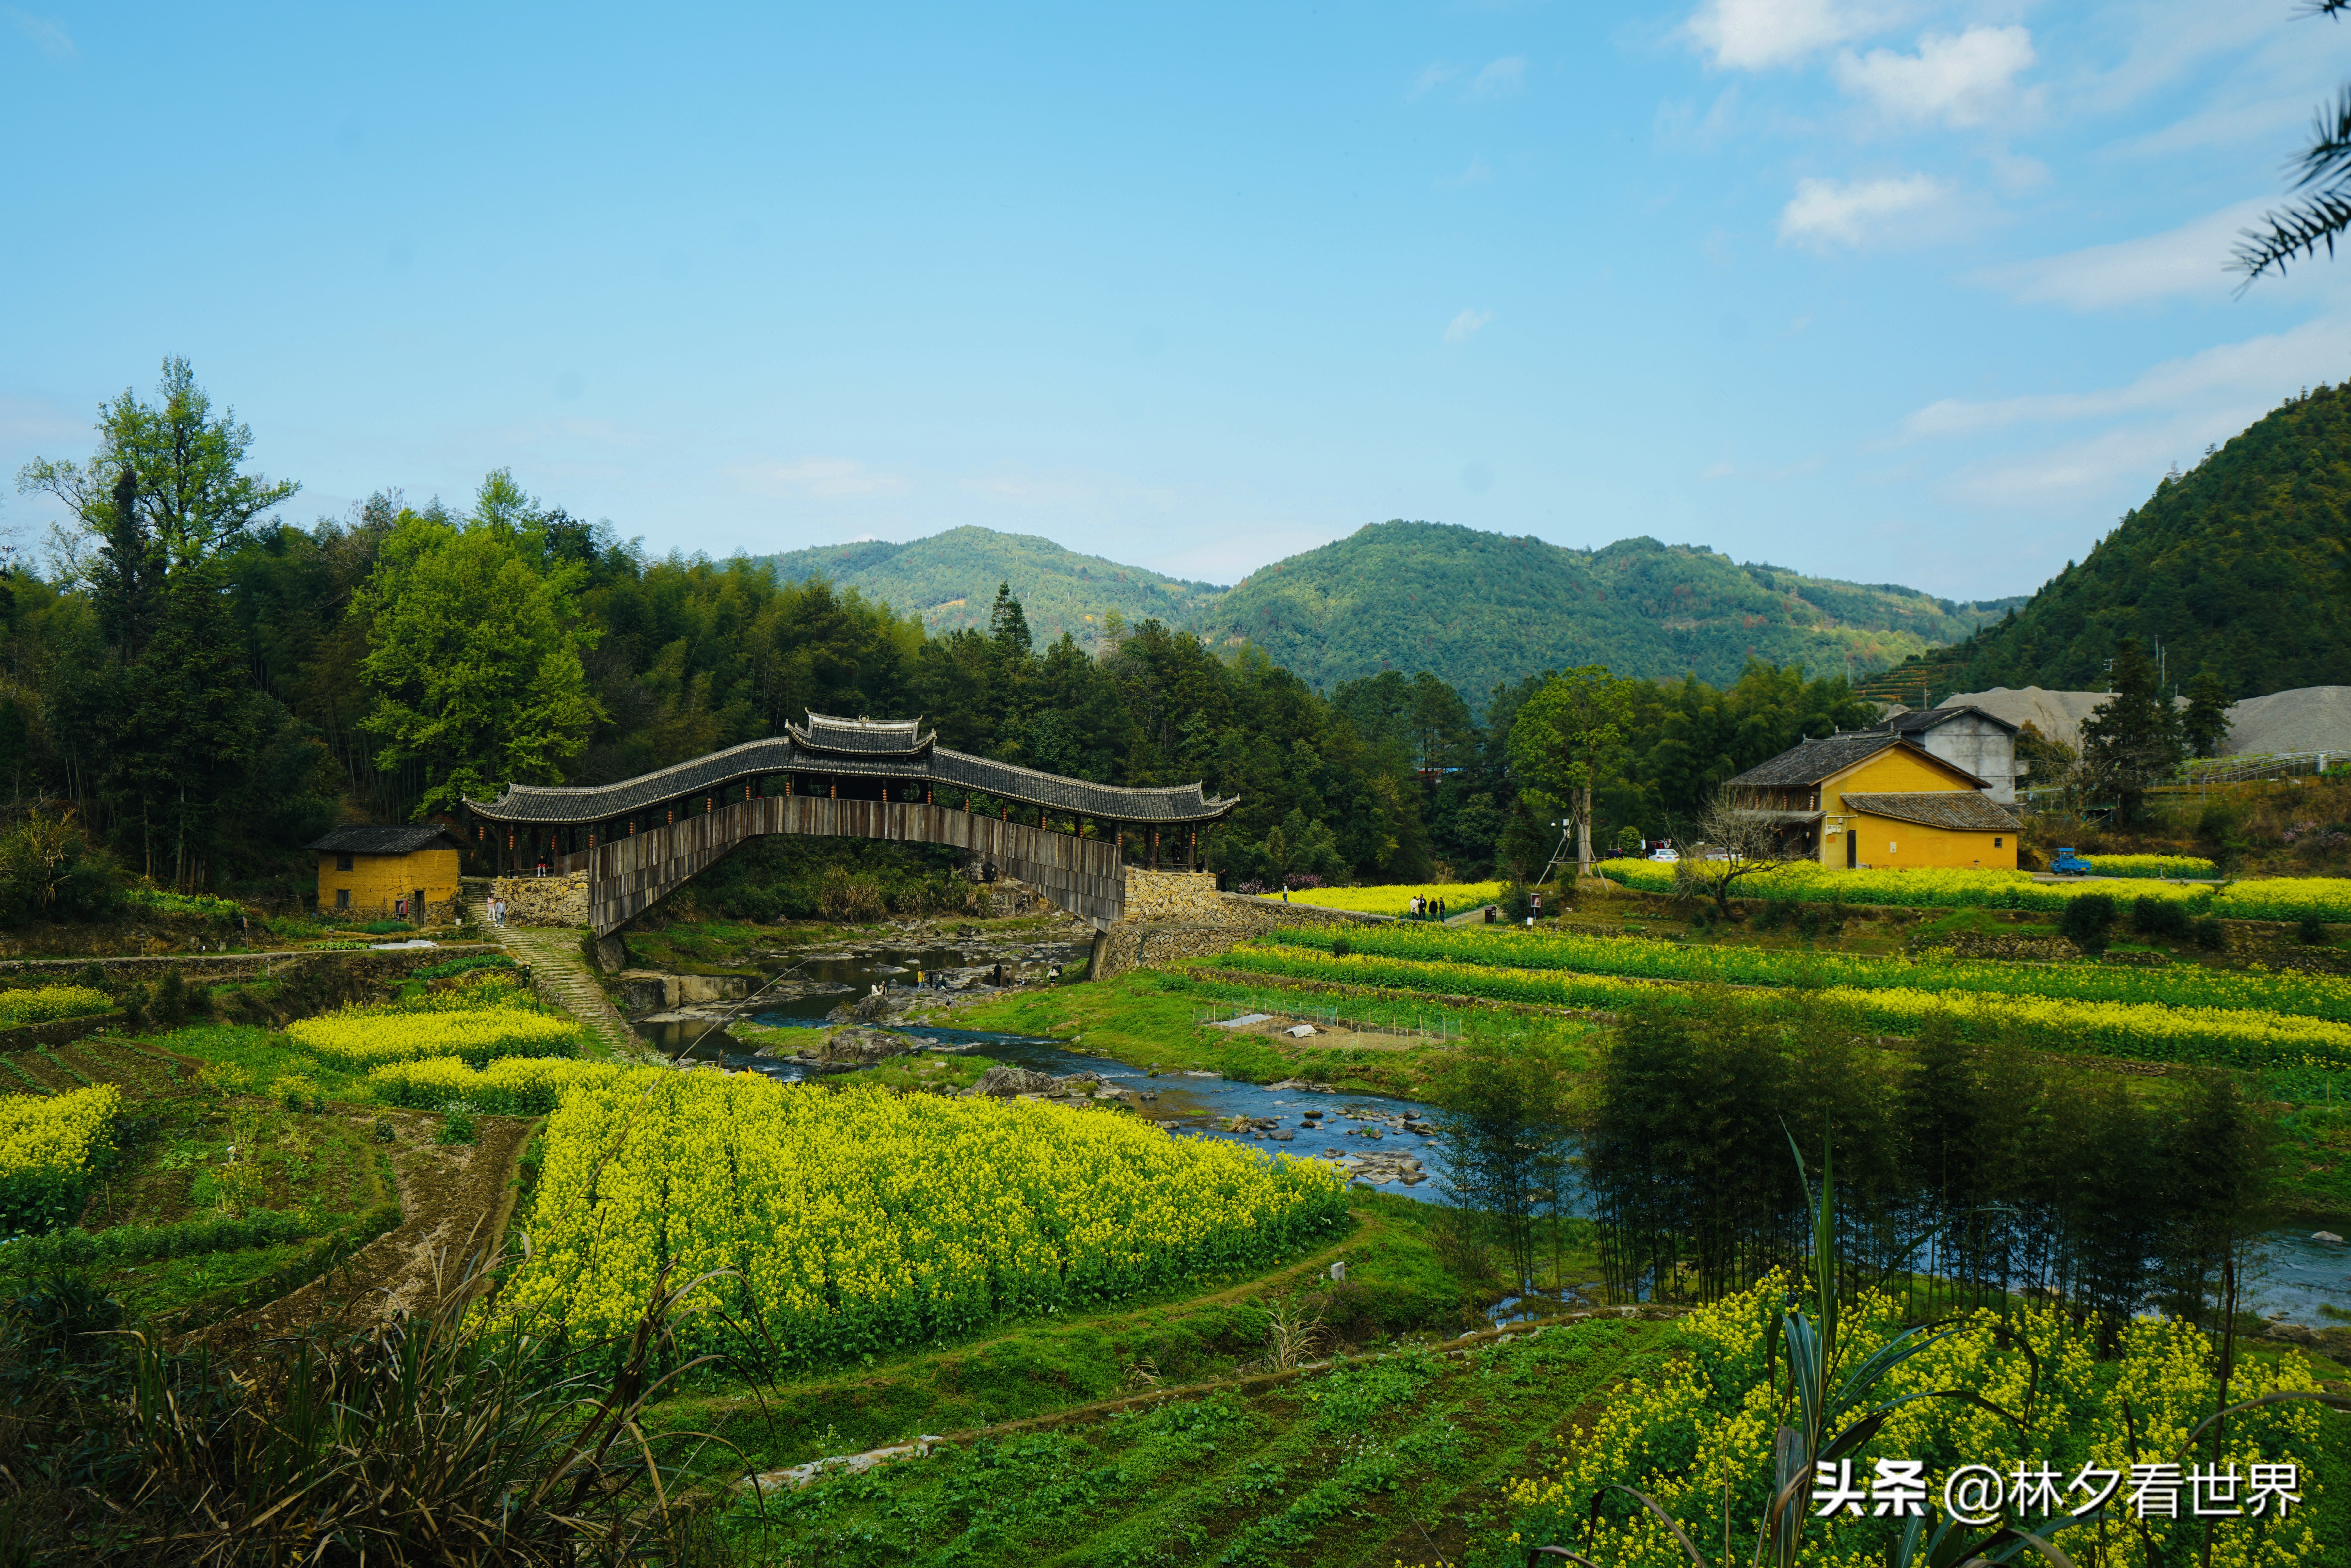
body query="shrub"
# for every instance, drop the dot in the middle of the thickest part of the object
(50, 871)
(224, 1080)
(170, 1005)
(385, 928)
(458, 1127)
(855, 900)
(2211, 935)
(297, 1093)
(185, 903)
(2311, 932)
(1340, 947)
(2087, 921)
(2160, 917)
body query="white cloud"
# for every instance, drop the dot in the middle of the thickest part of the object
(50, 37)
(1751, 35)
(1434, 75)
(1962, 80)
(817, 478)
(1462, 328)
(2074, 471)
(1828, 212)
(1500, 78)
(2192, 260)
(2261, 368)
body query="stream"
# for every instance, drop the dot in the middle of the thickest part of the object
(2292, 1275)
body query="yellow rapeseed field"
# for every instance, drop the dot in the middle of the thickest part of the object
(1703, 1421)
(1460, 897)
(860, 1220)
(38, 1004)
(510, 1086)
(364, 1037)
(48, 1146)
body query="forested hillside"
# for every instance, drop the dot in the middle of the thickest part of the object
(1482, 608)
(2237, 565)
(949, 579)
(197, 687)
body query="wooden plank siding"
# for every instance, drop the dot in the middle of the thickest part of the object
(628, 875)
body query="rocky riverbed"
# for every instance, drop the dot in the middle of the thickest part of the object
(873, 983)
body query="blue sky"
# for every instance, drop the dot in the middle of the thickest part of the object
(1920, 292)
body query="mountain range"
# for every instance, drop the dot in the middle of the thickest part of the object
(950, 580)
(1477, 609)
(1483, 609)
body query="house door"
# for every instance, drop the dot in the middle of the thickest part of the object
(1852, 848)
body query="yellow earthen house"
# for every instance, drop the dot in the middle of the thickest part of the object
(1879, 801)
(374, 872)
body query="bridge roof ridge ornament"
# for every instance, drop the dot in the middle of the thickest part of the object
(831, 745)
(862, 737)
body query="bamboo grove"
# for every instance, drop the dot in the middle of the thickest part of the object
(1969, 1172)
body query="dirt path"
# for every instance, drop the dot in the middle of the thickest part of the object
(454, 1201)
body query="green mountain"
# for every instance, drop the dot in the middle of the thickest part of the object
(1481, 609)
(2238, 564)
(950, 580)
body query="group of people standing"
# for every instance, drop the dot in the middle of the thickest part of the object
(1426, 908)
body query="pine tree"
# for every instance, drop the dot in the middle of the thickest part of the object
(2133, 740)
(2204, 726)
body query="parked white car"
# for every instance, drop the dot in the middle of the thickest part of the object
(1668, 854)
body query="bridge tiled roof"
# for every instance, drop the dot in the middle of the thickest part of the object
(923, 763)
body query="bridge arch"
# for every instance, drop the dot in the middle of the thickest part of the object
(642, 838)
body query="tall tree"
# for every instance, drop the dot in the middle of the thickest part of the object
(1565, 736)
(475, 658)
(2205, 725)
(189, 491)
(2133, 740)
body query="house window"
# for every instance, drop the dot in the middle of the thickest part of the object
(1995, 844)
(342, 862)
(342, 898)
(1891, 846)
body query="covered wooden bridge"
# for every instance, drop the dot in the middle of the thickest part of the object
(870, 779)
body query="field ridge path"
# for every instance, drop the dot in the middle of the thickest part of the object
(561, 975)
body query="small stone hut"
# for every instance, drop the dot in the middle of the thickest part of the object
(368, 871)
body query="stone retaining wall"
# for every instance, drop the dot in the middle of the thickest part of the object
(1203, 922)
(1177, 895)
(559, 899)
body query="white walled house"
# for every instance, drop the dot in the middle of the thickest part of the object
(1965, 737)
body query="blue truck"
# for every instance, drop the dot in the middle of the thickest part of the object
(2068, 864)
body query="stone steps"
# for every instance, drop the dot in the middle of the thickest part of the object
(562, 975)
